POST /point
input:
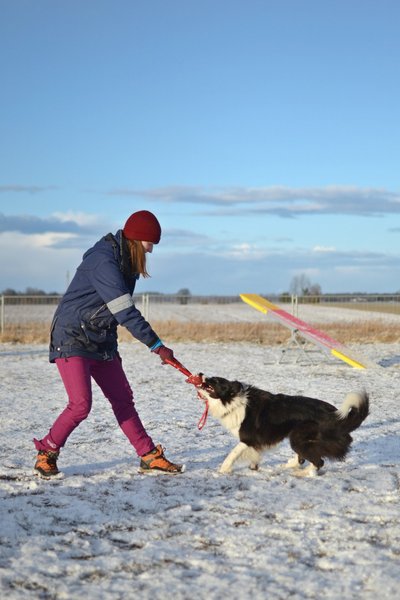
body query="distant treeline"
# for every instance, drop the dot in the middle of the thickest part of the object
(185, 295)
(29, 291)
(32, 291)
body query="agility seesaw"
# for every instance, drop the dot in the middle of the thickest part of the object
(302, 329)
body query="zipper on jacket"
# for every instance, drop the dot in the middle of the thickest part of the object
(97, 312)
(53, 324)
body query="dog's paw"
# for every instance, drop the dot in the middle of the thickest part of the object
(290, 464)
(293, 463)
(309, 471)
(254, 466)
(224, 470)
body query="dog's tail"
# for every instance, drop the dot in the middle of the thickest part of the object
(354, 410)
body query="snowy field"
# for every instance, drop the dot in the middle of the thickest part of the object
(104, 531)
(212, 313)
(241, 312)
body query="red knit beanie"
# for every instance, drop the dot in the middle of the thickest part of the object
(142, 226)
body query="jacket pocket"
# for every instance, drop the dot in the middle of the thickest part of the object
(100, 319)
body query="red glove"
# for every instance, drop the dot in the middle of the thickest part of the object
(164, 353)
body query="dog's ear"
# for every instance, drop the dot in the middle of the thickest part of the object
(211, 381)
(230, 390)
(237, 388)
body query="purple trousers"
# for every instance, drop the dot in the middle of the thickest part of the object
(77, 373)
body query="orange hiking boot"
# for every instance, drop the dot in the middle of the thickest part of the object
(155, 461)
(46, 464)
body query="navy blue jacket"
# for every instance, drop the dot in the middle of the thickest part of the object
(99, 298)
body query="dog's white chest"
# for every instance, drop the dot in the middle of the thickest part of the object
(231, 416)
(233, 420)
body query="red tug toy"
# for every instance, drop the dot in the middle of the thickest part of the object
(197, 381)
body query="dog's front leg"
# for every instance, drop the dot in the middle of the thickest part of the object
(232, 457)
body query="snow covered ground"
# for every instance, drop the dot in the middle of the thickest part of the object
(106, 532)
(210, 312)
(241, 312)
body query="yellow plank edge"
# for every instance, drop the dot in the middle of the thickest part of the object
(258, 302)
(347, 359)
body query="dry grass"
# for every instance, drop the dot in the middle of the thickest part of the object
(376, 307)
(268, 334)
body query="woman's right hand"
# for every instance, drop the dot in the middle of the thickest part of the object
(164, 353)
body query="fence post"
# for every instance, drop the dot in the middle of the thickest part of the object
(145, 306)
(2, 314)
(295, 305)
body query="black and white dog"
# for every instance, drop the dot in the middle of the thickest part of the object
(260, 419)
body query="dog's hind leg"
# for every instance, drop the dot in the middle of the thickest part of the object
(304, 440)
(232, 457)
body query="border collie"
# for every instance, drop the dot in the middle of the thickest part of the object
(260, 419)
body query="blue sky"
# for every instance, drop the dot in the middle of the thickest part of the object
(263, 134)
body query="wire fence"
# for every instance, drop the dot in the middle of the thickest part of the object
(21, 310)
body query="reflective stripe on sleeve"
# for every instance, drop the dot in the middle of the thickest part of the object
(118, 304)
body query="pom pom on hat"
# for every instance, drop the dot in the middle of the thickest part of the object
(142, 226)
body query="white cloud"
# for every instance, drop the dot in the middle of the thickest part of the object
(48, 240)
(82, 219)
(280, 200)
(324, 249)
(243, 251)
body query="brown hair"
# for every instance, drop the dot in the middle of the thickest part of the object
(138, 257)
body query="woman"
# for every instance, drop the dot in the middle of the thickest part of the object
(84, 341)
